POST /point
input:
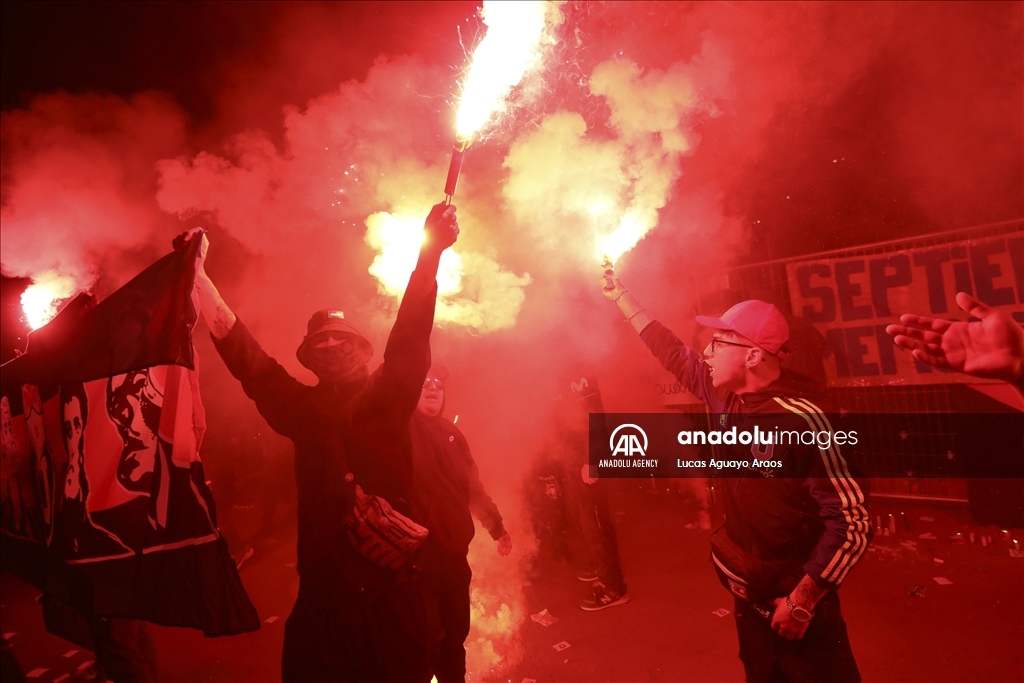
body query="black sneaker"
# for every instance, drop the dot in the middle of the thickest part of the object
(603, 598)
(588, 574)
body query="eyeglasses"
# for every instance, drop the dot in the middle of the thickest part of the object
(715, 342)
(433, 381)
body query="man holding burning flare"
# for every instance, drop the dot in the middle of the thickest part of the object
(788, 541)
(353, 620)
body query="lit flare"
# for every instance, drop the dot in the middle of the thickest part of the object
(398, 239)
(612, 246)
(511, 47)
(39, 301)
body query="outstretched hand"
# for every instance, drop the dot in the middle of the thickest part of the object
(991, 348)
(441, 227)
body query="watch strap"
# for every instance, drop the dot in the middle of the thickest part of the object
(793, 609)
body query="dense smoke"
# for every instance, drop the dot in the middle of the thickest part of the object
(725, 133)
(594, 185)
(78, 186)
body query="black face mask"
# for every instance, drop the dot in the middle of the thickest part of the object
(337, 363)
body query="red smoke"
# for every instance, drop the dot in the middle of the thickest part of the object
(820, 125)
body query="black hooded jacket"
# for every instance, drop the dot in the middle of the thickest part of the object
(359, 427)
(448, 492)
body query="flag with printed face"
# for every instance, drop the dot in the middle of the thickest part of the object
(102, 424)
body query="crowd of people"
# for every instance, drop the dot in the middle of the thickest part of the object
(387, 488)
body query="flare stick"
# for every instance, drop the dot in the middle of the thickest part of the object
(454, 169)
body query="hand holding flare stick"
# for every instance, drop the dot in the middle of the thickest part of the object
(615, 291)
(609, 267)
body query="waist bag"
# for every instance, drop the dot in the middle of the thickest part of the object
(381, 533)
(747, 576)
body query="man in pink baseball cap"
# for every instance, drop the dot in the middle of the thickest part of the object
(795, 519)
(750, 342)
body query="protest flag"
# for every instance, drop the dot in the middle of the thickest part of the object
(101, 428)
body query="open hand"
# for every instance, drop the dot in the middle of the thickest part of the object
(992, 347)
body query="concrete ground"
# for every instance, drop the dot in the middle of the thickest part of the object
(971, 629)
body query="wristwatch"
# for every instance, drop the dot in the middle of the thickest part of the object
(799, 613)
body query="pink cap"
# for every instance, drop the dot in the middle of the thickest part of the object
(758, 321)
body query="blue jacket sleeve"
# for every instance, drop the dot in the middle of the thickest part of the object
(685, 364)
(847, 524)
(841, 500)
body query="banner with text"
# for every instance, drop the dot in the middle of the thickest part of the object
(851, 300)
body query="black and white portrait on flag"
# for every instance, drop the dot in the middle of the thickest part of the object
(102, 424)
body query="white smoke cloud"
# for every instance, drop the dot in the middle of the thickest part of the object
(473, 290)
(608, 190)
(351, 158)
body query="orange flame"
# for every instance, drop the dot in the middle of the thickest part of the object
(398, 238)
(511, 47)
(611, 247)
(497, 610)
(40, 299)
(493, 625)
(494, 294)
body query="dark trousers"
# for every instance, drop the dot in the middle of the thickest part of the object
(591, 504)
(823, 655)
(379, 639)
(124, 649)
(445, 580)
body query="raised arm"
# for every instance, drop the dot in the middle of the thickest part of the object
(615, 291)
(219, 317)
(396, 387)
(278, 395)
(671, 352)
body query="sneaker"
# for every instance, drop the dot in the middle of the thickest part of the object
(588, 574)
(603, 598)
